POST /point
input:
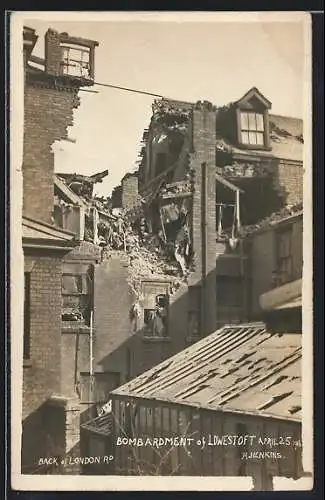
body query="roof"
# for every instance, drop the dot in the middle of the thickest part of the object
(286, 140)
(100, 425)
(67, 193)
(286, 133)
(285, 296)
(39, 233)
(242, 368)
(254, 92)
(287, 137)
(286, 215)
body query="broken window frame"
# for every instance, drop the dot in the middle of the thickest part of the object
(150, 289)
(251, 128)
(150, 330)
(68, 62)
(85, 295)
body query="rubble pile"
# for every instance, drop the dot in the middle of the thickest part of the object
(149, 256)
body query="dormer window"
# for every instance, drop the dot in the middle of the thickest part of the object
(75, 61)
(252, 112)
(252, 128)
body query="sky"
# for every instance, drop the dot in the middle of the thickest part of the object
(216, 61)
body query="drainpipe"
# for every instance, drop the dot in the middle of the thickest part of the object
(91, 357)
(204, 223)
(238, 209)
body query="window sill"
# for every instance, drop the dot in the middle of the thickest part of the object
(155, 339)
(74, 327)
(27, 363)
(256, 147)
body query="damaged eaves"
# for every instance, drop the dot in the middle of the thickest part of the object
(276, 218)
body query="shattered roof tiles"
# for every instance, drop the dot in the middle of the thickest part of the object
(287, 214)
(100, 425)
(242, 368)
(286, 133)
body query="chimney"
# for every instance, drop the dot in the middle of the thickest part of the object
(52, 52)
(130, 191)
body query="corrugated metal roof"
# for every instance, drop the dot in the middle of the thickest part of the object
(242, 368)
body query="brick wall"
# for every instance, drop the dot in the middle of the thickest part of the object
(75, 337)
(113, 301)
(289, 181)
(41, 373)
(130, 191)
(42, 377)
(48, 113)
(204, 212)
(116, 347)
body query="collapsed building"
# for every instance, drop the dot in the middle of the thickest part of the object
(208, 177)
(219, 190)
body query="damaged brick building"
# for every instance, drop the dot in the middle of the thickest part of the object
(137, 278)
(208, 178)
(218, 200)
(242, 380)
(50, 97)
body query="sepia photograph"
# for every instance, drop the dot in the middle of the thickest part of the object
(161, 251)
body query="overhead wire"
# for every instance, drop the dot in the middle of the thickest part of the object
(118, 87)
(128, 89)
